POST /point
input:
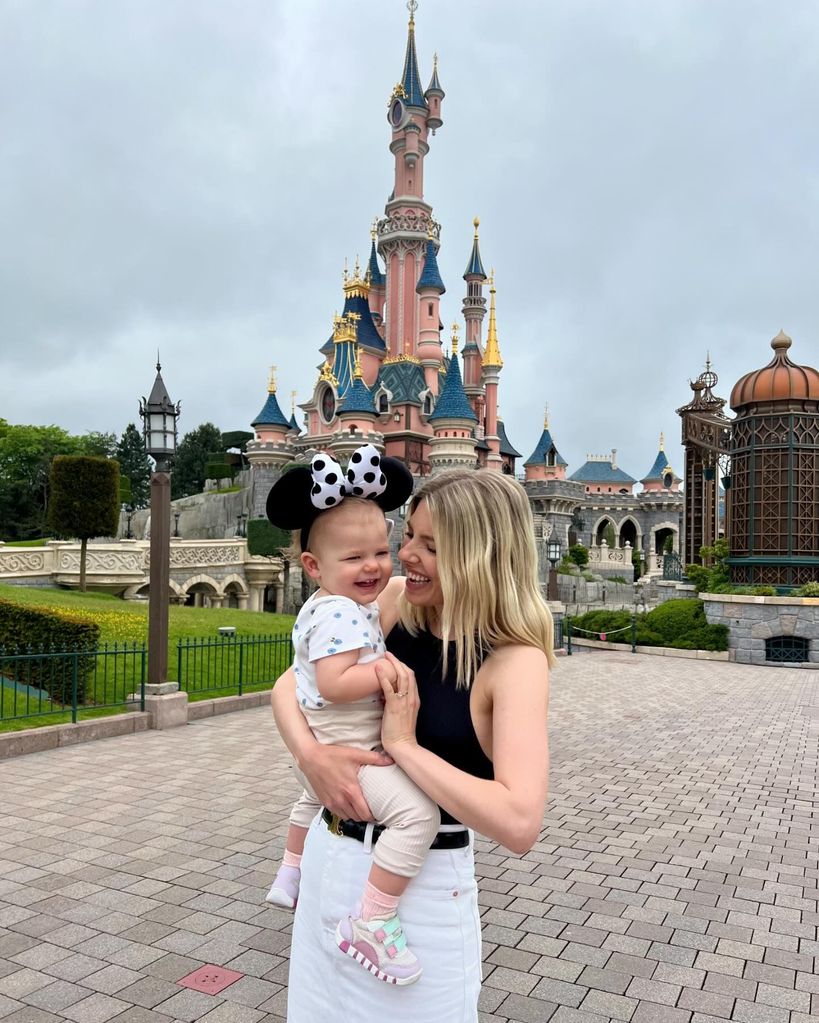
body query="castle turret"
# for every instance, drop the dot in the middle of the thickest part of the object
(430, 287)
(272, 447)
(474, 310)
(661, 477)
(492, 364)
(545, 462)
(433, 96)
(404, 231)
(453, 420)
(357, 417)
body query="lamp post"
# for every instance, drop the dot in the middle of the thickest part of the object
(176, 515)
(241, 519)
(159, 415)
(553, 554)
(129, 511)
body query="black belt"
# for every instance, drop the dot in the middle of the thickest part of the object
(358, 831)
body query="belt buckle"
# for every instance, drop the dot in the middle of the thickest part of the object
(334, 827)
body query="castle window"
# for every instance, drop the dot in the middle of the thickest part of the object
(427, 405)
(430, 309)
(383, 404)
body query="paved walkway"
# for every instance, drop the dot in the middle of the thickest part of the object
(675, 879)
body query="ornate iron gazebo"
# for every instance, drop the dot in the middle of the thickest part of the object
(774, 534)
(706, 437)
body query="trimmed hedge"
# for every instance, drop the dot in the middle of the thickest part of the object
(33, 630)
(265, 539)
(680, 624)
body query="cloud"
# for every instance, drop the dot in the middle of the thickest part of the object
(190, 177)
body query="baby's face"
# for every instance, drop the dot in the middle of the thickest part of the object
(352, 553)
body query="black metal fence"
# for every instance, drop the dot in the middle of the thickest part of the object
(64, 685)
(231, 663)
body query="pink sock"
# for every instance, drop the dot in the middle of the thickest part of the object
(378, 905)
(291, 859)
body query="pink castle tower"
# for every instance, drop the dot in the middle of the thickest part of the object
(545, 462)
(384, 373)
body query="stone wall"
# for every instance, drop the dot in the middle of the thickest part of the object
(752, 620)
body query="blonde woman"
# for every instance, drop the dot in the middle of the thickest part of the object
(470, 641)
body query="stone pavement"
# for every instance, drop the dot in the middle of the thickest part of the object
(675, 880)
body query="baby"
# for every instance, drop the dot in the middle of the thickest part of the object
(338, 642)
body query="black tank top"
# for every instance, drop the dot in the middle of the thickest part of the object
(444, 722)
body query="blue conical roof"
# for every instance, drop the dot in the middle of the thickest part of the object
(475, 267)
(544, 446)
(271, 414)
(377, 278)
(359, 399)
(366, 333)
(452, 401)
(505, 444)
(431, 276)
(435, 82)
(293, 424)
(410, 79)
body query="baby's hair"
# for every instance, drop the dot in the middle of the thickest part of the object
(351, 504)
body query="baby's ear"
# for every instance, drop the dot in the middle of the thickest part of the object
(390, 526)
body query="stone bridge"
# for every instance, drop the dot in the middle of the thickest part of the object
(205, 573)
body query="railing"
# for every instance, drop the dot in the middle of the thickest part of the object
(64, 685)
(672, 567)
(232, 663)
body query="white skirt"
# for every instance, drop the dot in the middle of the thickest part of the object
(439, 914)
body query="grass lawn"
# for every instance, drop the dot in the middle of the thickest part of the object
(207, 673)
(26, 543)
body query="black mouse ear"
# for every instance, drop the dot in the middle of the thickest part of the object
(288, 503)
(399, 484)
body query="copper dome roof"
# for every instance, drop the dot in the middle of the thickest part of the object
(781, 380)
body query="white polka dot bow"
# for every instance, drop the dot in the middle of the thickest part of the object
(364, 477)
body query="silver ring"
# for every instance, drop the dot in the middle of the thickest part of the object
(401, 694)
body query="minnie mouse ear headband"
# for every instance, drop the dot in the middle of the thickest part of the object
(298, 497)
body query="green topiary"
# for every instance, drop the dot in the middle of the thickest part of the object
(578, 554)
(265, 539)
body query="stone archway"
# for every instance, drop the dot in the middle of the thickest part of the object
(604, 529)
(630, 532)
(202, 591)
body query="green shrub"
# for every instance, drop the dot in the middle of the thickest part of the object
(30, 629)
(265, 539)
(218, 471)
(808, 590)
(680, 624)
(619, 579)
(588, 576)
(578, 554)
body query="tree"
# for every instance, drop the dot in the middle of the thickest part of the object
(191, 459)
(84, 500)
(134, 465)
(26, 453)
(578, 554)
(98, 445)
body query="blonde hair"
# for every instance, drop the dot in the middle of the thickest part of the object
(487, 566)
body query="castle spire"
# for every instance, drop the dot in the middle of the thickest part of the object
(410, 79)
(474, 267)
(492, 355)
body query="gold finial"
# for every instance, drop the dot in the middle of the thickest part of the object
(708, 360)
(271, 384)
(492, 355)
(431, 230)
(435, 62)
(357, 271)
(374, 229)
(357, 374)
(455, 329)
(476, 224)
(344, 328)
(412, 7)
(545, 417)
(345, 273)
(662, 442)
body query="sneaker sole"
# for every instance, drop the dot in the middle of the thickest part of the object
(278, 898)
(370, 966)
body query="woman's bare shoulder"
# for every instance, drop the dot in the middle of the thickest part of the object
(514, 665)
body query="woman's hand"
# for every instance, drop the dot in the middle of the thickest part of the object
(401, 705)
(333, 775)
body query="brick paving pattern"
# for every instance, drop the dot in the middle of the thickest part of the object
(675, 880)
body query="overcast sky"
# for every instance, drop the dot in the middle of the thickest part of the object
(189, 175)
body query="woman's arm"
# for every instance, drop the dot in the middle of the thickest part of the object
(510, 808)
(331, 770)
(388, 603)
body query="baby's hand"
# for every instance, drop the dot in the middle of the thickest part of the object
(386, 671)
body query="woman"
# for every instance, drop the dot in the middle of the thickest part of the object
(470, 631)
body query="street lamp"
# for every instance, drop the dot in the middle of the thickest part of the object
(241, 519)
(176, 516)
(553, 554)
(129, 512)
(159, 415)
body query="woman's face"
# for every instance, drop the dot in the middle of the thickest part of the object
(420, 562)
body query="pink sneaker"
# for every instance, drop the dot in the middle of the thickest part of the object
(284, 891)
(380, 947)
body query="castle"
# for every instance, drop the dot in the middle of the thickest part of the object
(386, 378)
